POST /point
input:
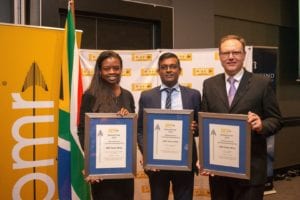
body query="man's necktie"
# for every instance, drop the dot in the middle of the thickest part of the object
(168, 99)
(232, 89)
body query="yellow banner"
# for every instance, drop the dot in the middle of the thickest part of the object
(29, 87)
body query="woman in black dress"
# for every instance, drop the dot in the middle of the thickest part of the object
(105, 95)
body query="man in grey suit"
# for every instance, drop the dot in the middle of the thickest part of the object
(181, 98)
(249, 94)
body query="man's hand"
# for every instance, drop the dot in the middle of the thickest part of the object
(201, 171)
(194, 127)
(254, 121)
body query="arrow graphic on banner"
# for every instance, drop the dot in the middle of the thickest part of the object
(34, 78)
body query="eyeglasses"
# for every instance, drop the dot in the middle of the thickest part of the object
(233, 53)
(166, 67)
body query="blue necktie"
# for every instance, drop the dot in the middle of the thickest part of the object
(168, 99)
(232, 89)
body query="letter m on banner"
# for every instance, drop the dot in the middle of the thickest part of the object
(71, 183)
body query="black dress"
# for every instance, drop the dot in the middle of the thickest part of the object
(116, 189)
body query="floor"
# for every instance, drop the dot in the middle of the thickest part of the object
(287, 189)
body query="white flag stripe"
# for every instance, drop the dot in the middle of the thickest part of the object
(74, 97)
(64, 144)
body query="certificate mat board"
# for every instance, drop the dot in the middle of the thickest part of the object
(168, 140)
(225, 144)
(110, 145)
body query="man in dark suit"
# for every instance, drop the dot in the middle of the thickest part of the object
(181, 98)
(249, 94)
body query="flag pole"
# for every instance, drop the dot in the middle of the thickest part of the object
(71, 5)
(72, 8)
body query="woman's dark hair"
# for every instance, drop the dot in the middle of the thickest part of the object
(98, 88)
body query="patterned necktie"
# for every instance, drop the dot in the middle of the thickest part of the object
(168, 99)
(232, 89)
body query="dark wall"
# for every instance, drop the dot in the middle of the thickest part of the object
(6, 11)
(119, 19)
(193, 24)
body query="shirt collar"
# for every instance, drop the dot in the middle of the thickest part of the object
(176, 86)
(238, 76)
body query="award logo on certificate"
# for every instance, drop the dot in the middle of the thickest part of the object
(110, 145)
(167, 139)
(224, 144)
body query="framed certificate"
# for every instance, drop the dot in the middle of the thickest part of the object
(110, 145)
(225, 144)
(168, 140)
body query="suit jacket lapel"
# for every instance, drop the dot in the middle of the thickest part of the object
(185, 101)
(156, 98)
(220, 89)
(242, 89)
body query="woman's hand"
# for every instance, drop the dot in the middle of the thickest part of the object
(93, 179)
(123, 112)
